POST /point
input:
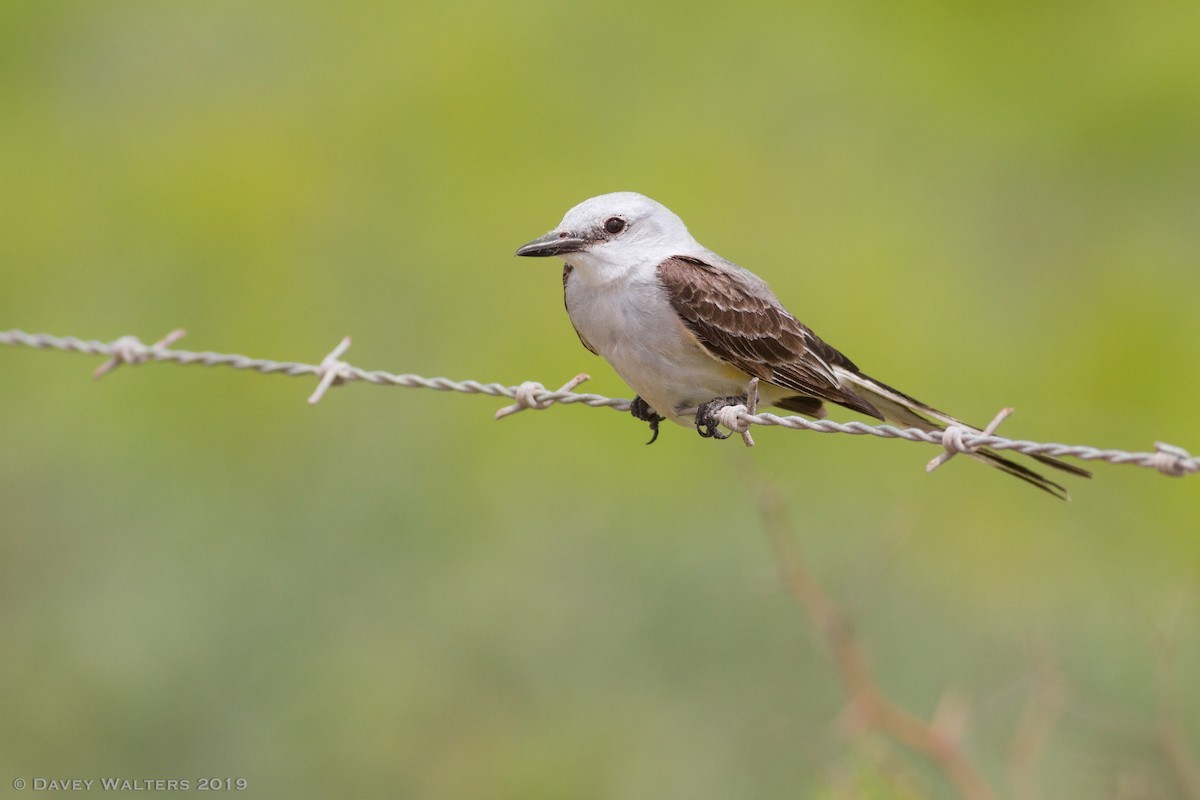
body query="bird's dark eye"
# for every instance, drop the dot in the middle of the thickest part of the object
(614, 225)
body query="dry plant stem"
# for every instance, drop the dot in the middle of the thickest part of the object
(868, 707)
(1172, 736)
(1033, 733)
(1187, 769)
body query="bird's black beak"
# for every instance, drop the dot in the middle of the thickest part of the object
(554, 243)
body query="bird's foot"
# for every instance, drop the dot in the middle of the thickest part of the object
(641, 410)
(706, 416)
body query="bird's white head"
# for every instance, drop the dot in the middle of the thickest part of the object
(614, 234)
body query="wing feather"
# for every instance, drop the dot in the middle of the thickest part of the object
(741, 323)
(737, 319)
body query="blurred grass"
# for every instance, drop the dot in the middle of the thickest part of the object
(392, 595)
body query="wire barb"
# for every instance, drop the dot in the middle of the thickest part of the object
(952, 439)
(1167, 459)
(131, 350)
(532, 394)
(332, 371)
(1172, 461)
(738, 418)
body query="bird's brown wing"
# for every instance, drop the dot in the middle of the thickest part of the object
(745, 326)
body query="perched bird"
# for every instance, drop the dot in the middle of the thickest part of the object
(687, 330)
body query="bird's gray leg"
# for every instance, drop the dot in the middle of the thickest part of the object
(640, 410)
(706, 419)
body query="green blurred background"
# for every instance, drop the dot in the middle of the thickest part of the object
(393, 595)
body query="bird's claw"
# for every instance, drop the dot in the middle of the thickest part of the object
(641, 410)
(706, 416)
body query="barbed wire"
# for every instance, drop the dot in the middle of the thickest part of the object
(1167, 459)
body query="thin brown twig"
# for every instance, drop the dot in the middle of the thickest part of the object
(1171, 734)
(1041, 714)
(868, 706)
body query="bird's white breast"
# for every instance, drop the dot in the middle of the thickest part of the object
(631, 323)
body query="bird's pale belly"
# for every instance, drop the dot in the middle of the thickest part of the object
(652, 351)
(672, 381)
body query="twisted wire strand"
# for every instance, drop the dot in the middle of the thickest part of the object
(1167, 459)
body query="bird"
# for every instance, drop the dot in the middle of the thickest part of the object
(687, 330)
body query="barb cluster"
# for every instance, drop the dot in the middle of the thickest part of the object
(332, 371)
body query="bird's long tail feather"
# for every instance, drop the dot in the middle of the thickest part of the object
(900, 409)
